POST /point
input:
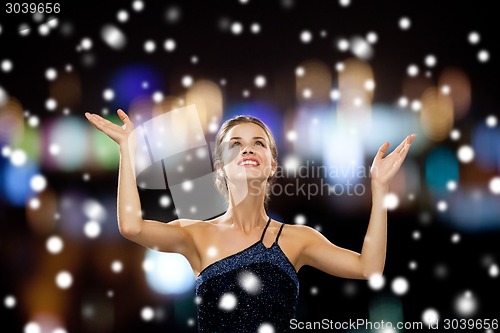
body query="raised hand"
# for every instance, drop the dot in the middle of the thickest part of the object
(383, 169)
(119, 134)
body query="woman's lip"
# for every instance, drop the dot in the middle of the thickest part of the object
(242, 164)
(249, 165)
(248, 159)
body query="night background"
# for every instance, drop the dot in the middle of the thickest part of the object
(333, 80)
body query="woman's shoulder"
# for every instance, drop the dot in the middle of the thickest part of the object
(198, 224)
(297, 227)
(301, 231)
(191, 223)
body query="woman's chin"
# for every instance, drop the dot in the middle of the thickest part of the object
(247, 177)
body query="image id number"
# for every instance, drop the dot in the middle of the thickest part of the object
(29, 7)
(470, 324)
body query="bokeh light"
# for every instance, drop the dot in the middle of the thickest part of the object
(64, 280)
(391, 201)
(113, 36)
(404, 23)
(466, 304)
(10, 301)
(484, 148)
(474, 37)
(494, 185)
(127, 83)
(465, 153)
(228, 302)
(441, 167)
(430, 317)
(54, 244)
(376, 281)
(266, 328)
(458, 83)
(493, 270)
(147, 313)
(436, 115)
(400, 285)
(16, 182)
(249, 282)
(11, 120)
(176, 280)
(61, 135)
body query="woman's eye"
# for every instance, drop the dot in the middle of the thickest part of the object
(235, 143)
(260, 142)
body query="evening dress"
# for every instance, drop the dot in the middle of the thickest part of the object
(252, 291)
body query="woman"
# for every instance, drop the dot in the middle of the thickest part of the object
(246, 263)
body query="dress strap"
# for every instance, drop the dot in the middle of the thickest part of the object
(264, 232)
(279, 233)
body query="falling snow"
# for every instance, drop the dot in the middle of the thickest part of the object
(327, 92)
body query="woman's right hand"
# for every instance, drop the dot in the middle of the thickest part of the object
(119, 134)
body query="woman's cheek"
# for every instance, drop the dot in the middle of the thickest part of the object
(229, 157)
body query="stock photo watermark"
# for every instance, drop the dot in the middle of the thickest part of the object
(311, 179)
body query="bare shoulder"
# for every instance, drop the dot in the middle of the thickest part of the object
(194, 226)
(189, 223)
(301, 232)
(299, 237)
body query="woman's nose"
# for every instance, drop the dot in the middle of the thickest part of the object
(247, 149)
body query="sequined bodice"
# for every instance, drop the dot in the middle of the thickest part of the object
(253, 290)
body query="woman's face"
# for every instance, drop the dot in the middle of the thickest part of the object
(247, 155)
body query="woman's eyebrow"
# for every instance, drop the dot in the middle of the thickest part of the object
(239, 138)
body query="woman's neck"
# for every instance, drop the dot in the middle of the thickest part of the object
(246, 210)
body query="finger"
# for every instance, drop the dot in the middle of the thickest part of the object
(411, 137)
(408, 142)
(123, 117)
(400, 146)
(382, 150)
(87, 115)
(102, 124)
(402, 154)
(92, 119)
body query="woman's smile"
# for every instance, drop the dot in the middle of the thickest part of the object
(248, 162)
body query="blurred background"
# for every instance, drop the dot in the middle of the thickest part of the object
(333, 80)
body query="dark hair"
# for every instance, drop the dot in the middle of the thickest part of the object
(220, 180)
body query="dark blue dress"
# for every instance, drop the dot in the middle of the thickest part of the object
(254, 290)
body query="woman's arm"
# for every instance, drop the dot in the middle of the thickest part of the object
(373, 252)
(167, 237)
(320, 253)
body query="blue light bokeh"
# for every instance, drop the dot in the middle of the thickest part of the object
(441, 166)
(16, 180)
(134, 81)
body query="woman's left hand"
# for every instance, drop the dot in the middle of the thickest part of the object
(383, 169)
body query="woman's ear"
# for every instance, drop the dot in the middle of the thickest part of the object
(274, 167)
(220, 172)
(219, 169)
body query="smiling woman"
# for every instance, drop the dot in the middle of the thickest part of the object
(246, 263)
(228, 143)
